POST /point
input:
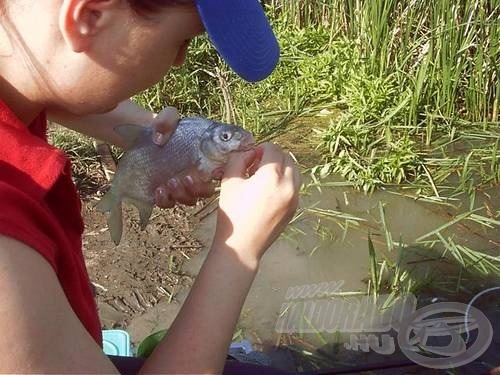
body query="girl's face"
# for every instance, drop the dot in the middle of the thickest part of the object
(131, 53)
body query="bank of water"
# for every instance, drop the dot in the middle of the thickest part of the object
(328, 242)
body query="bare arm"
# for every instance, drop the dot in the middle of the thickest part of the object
(40, 331)
(198, 340)
(252, 214)
(37, 323)
(101, 126)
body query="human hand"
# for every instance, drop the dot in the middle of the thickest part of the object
(164, 125)
(186, 189)
(254, 211)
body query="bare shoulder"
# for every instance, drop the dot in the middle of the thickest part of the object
(40, 331)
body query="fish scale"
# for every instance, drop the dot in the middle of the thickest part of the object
(154, 165)
(197, 147)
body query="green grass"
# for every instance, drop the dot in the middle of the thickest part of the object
(205, 86)
(413, 82)
(426, 77)
(86, 167)
(402, 277)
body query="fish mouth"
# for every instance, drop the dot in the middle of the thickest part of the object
(247, 143)
(248, 147)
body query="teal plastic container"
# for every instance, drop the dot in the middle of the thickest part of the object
(116, 342)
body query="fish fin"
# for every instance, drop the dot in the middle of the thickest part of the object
(145, 210)
(130, 133)
(110, 203)
(106, 202)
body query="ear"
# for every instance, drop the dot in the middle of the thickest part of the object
(81, 20)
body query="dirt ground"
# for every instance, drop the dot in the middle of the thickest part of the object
(145, 269)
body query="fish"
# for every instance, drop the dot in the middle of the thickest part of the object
(197, 147)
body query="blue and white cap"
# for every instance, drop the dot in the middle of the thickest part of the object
(241, 33)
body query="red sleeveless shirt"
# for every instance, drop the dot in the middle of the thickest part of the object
(39, 206)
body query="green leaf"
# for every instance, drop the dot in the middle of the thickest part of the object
(374, 271)
(147, 345)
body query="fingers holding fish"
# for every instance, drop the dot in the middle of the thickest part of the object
(163, 198)
(254, 210)
(238, 164)
(291, 173)
(164, 124)
(273, 159)
(279, 169)
(198, 188)
(185, 190)
(259, 151)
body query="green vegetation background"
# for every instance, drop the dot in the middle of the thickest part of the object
(408, 90)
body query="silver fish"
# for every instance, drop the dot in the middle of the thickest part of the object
(197, 147)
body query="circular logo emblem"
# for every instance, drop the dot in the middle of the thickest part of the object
(431, 336)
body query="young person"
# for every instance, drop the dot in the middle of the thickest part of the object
(77, 61)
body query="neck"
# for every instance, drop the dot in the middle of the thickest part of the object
(16, 84)
(25, 109)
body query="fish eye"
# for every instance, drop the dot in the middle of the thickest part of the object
(225, 136)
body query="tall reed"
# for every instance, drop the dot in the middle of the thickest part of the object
(446, 52)
(426, 70)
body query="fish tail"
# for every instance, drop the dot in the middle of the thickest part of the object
(111, 203)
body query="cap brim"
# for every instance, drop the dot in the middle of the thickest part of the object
(241, 33)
